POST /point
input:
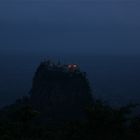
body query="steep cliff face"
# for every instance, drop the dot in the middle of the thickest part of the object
(60, 92)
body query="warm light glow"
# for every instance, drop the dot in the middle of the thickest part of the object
(75, 66)
(72, 66)
(69, 66)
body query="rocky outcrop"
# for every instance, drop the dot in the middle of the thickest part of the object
(60, 92)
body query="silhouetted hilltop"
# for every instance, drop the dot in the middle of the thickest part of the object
(59, 103)
(60, 92)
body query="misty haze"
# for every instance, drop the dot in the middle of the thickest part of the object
(102, 36)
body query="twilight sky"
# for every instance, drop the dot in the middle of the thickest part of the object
(34, 29)
(65, 26)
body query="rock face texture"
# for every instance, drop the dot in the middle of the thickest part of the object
(60, 92)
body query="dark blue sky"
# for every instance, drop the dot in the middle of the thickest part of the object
(81, 26)
(31, 30)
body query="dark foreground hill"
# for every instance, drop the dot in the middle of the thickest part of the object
(60, 107)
